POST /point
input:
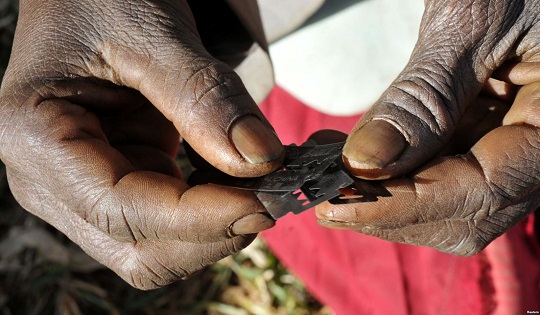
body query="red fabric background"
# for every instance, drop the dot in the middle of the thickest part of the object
(359, 274)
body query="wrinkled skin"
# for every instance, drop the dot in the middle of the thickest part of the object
(477, 57)
(92, 107)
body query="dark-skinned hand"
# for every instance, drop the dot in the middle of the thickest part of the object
(92, 107)
(472, 86)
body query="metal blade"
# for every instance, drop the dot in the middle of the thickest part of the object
(311, 174)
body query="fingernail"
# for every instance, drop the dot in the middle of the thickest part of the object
(255, 141)
(336, 225)
(253, 223)
(347, 226)
(376, 145)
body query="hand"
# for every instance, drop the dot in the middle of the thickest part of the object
(92, 105)
(470, 60)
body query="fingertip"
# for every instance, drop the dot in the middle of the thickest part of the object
(251, 224)
(373, 147)
(328, 136)
(337, 225)
(524, 109)
(358, 169)
(336, 216)
(257, 143)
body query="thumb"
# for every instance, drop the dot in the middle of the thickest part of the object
(204, 98)
(458, 49)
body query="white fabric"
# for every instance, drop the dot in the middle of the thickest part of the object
(256, 73)
(341, 64)
(279, 17)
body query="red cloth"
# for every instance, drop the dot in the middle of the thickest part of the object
(358, 274)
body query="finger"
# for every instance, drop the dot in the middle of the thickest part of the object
(196, 160)
(147, 158)
(206, 173)
(143, 125)
(485, 114)
(455, 204)
(126, 117)
(162, 262)
(458, 49)
(328, 136)
(145, 264)
(525, 109)
(204, 98)
(105, 189)
(502, 90)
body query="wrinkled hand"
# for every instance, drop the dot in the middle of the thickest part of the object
(470, 60)
(92, 105)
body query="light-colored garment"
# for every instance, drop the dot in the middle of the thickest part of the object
(281, 17)
(256, 68)
(340, 60)
(348, 53)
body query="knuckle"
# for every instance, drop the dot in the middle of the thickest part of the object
(145, 272)
(211, 83)
(511, 182)
(11, 117)
(469, 239)
(428, 99)
(516, 174)
(141, 279)
(468, 247)
(210, 80)
(114, 218)
(238, 244)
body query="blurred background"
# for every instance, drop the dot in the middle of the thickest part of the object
(42, 272)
